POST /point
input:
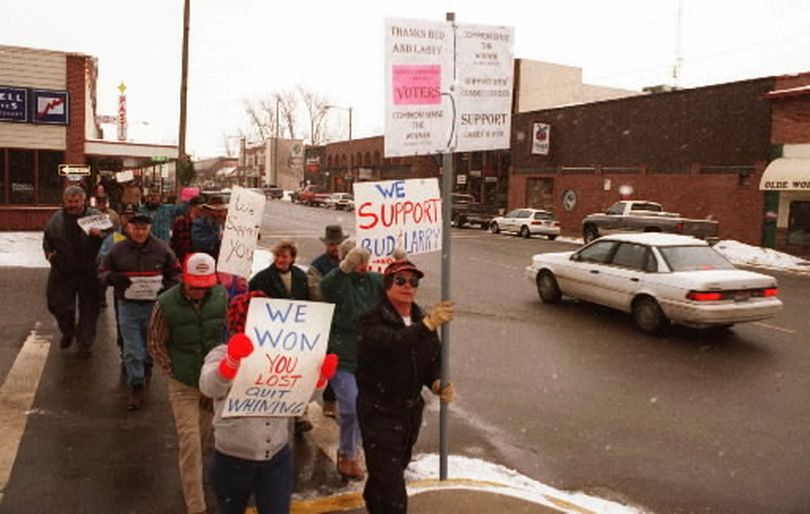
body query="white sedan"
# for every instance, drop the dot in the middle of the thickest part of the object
(657, 278)
(526, 223)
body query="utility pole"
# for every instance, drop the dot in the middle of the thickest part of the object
(274, 175)
(181, 140)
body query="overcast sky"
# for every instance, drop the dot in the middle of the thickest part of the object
(247, 49)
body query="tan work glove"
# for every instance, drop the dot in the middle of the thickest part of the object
(399, 253)
(447, 394)
(355, 257)
(442, 313)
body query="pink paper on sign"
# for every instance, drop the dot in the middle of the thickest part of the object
(417, 84)
(187, 193)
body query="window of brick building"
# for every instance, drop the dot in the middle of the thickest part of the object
(21, 176)
(50, 183)
(799, 224)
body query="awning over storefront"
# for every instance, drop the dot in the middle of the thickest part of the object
(788, 173)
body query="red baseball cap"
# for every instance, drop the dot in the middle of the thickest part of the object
(402, 265)
(200, 270)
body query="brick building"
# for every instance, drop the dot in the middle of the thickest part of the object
(699, 152)
(47, 118)
(786, 180)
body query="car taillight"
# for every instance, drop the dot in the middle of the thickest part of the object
(700, 296)
(771, 291)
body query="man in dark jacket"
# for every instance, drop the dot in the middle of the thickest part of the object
(72, 254)
(399, 353)
(319, 268)
(139, 268)
(188, 320)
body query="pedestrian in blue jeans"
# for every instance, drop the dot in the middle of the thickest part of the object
(139, 267)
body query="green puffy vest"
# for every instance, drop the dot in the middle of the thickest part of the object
(192, 333)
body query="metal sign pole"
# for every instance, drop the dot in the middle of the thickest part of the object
(447, 188)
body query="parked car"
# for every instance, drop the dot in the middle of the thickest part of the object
(311, 195)
(339, 201)
(658, 278)
(526, 223)
(225, 194)
(274, 193)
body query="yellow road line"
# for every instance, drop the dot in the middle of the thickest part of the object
(16, 398)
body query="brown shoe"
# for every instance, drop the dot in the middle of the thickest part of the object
(135, 398)
(349, 468)
(330, 409)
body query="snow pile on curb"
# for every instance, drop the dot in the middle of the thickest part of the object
(508, 482)
(747, 255)
(22, 249)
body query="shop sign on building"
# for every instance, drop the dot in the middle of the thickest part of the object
(50, 107)
(541, 133)
(448, 87)
(13, 104)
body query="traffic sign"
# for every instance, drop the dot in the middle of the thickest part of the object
(73, 169)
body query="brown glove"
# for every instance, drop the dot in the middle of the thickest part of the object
(441, 313)
(447, 394)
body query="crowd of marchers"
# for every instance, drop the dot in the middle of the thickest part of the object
(174, 310)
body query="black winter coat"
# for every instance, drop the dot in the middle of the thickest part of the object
(269, 282)
(395, 361)
(74, 252)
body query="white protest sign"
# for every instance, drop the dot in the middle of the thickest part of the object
(418, 69)
(241, 232)
(124, 176)
(144, 288)
(289, 340)
(435, 106)
(484, 67)
(398, 213)
(99, 221)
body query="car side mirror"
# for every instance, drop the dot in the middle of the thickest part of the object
(575, 257)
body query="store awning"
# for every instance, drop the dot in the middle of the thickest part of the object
(786, 174)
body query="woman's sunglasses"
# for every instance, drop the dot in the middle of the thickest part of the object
(401, 281)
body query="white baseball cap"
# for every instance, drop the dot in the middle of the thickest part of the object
(200, 270)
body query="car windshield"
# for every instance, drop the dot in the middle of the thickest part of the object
(693, 258)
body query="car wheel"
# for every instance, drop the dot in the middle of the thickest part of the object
(648, 315)
(524, 232)
(551, 237)
(547, 287)
(494, 228)
(590, 233)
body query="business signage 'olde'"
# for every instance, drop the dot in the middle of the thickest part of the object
(13, 104)
(448, 87)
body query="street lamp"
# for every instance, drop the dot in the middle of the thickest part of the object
(351, 156)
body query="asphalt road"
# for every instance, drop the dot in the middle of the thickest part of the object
(574, 396)
(570, 395)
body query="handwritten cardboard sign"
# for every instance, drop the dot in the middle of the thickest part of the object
(144, 288)
(99, 221)
(398, 213)
(241, 232)
(289, 340)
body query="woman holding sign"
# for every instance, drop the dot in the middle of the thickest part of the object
(399, 354)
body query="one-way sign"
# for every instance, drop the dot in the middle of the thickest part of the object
(73, 169)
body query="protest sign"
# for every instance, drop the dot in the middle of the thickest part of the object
(144, 288)
(448, 87)
(241, 232)
(289, 344)
(99, 221)
(394, 214)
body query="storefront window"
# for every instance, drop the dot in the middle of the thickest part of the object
(799, 224)
(21, 176)
(50, 182)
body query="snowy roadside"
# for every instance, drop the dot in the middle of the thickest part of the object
(24, 249)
